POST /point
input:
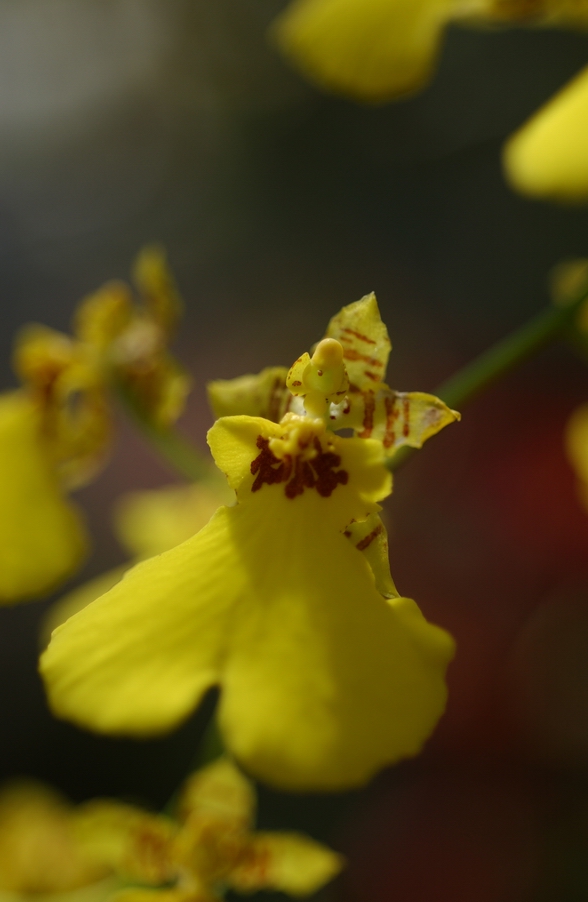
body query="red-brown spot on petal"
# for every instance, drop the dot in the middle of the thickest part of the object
(369, 400)
(406, 416)
(353, 354)
(359, 335)
(269, 469)
(367, 540)
(391, 415)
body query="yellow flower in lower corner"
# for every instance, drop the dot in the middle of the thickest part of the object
(323, 680)
(208, 847)
(40, 854)
(42, 538)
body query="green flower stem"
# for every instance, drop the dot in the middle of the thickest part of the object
(500, 359)
(177, 451)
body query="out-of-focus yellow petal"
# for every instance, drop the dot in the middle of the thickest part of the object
(373, 50)
(157, 286)
(289, 862)
(153, 521)
(104, 315)
(548, 156)
(222, 791)
(77, 599)
(39, 852)
(62, 377)
(365, 340)
(42, 539)
(323, 681)
(139, 659)
(576, 439)
(262, 395)
(134, 843)
(369, 536)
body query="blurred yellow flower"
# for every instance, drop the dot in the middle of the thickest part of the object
(323, 680)
(42, 538)
(130, 338)
(55, 432)
(41, 854)
(377, 50)
(548, 156)
(210, 847)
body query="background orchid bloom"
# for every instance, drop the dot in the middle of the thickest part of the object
(378, 50)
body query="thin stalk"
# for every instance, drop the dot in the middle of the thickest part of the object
(177, 451)
(500, 359)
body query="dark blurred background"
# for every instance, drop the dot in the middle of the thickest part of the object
(124, 121)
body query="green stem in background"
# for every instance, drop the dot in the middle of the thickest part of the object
(171, 445)
(501, 358)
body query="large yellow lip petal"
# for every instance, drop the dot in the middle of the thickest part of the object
(139, 659)
(373, 50)
(326, 681)
(42, 539)
(323, 681)
(548, 156)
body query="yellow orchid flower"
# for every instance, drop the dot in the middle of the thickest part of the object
(41, 855)
(365, 403)
(323, 680)
(130, 339)
(377, 50)
(210, 847)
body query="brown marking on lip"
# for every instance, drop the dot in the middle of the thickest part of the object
(353, 354)
(406, 417)
(298, 474)
(391, 416)
(297, 383)
(269, 469)
(303, 478)
(369, 400)
(367, 540)
(324, 466)
(359, 335)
